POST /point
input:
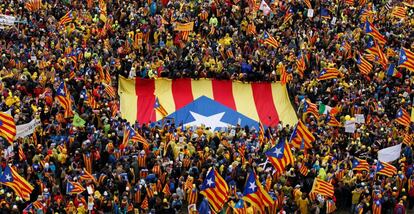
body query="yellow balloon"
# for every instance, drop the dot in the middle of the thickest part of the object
(347, 117)
(352, 118)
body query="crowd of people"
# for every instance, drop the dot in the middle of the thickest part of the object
(96, 41)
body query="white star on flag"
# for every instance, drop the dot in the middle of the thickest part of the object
(209, 182)
(252, 186)
(278, 151)
(213, 121)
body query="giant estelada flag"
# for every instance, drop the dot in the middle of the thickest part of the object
(214, 103)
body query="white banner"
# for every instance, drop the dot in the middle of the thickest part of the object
(7, 20)
(390, 154)
(26, 129)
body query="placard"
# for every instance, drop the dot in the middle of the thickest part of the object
(360, 118)
(310, 13)
(350, 126)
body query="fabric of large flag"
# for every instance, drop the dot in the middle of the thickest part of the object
(280, 155)
(17, 183)
(301, 135)
(390, 154)
(74, 188)
(7, 126)
(255, 194)
(322, 187)
(328, 73)
(363, 65)
(371, 30)
(270, 40)
(234, 101)
(402, 117)
(384, 168)
(215, 190)
(406, 59)
(360, 165)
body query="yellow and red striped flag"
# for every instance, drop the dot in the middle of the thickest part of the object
(363, 65)
(188, 185)
(215, 190)
(280, 156)
(7, 127)
(109, 90)
(270, 40)
(33, 5)
(399, 12)
(403, 117)
(144, 204)
(360, 165)
(68, 17)
(20, 186)
(87, 159)
(322, 187)
(308, 4)
(255, 194)
(406, 59)
(384, 168)
(265, 102)
(166, 190)
(87, 176)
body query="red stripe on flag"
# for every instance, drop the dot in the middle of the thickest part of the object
(144, 89)
(223, 93)
(263, 98)
(182, 92)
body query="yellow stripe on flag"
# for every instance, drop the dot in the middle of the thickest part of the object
(164, 94)
(128, 98)
(284, 109)
(202, 87)
(243, 97)
(412, 114)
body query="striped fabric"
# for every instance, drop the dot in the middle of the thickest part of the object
(215, 190)
(33, 5)
(265, 102)
(68, 17)
(322, 187)
(7, 127)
